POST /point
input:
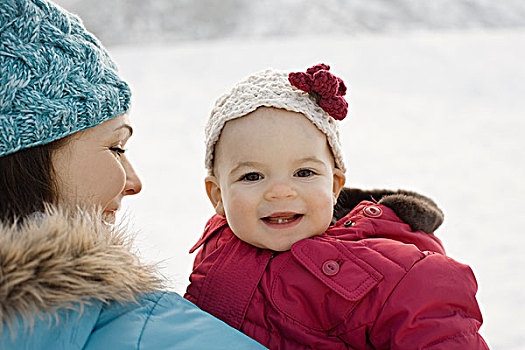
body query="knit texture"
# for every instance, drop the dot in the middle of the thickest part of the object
(326, 88)
(56, 78)
(268, 88)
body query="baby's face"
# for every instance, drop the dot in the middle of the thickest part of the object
(274, 178)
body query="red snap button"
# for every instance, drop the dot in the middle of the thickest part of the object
(373, 211)
(330, 267)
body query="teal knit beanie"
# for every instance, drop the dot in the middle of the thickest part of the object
(55, 76)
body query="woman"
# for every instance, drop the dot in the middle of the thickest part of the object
(68, 279)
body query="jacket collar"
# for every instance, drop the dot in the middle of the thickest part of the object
(375, 220)
(63, 258)
(419, 212)
(213, 225)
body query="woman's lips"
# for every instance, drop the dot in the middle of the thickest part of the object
(282, 220)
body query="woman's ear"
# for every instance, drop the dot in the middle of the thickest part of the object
(213, 190)
(339, 182)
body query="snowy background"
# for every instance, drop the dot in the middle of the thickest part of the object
(436, 93)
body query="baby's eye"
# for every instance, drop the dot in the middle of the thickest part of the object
(117, 150)
(305, 173)
(251, 177)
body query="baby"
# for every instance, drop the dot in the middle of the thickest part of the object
(274, 262)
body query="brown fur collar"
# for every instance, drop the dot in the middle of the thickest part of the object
(60, 259)
(418, 211)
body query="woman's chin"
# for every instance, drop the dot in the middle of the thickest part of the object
(109, 217)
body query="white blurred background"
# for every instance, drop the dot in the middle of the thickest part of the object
(436, 93)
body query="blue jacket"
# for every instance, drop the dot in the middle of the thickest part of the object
(69, 282)
(158, 321)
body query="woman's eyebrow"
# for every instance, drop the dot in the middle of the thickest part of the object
(127, 126)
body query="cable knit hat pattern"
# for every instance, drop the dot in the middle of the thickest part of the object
(269, 88)
(56, 78)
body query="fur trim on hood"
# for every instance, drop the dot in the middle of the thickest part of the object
(63, 259)
(418, 211)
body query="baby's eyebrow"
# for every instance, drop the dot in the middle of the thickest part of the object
(310, 159)
(247, 164)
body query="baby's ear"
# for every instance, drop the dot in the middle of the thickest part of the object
(213, 190)
(339, 182)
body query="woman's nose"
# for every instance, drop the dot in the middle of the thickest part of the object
(280, 190)
(133, 183)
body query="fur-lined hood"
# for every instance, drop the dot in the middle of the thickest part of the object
(65, 258)
(418, 211)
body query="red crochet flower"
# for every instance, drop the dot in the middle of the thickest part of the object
(326, 87)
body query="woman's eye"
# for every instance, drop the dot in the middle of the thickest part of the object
(117, 150)
(251, 177)
(305, 173)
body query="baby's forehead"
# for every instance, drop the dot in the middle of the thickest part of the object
(269, 125)
(270, 119)
(270, 135)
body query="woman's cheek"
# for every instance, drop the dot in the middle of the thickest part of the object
(111, 184)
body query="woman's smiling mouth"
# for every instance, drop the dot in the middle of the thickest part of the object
(282, 220)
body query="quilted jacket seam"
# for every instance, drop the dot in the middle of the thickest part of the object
(387, 299)
(148, 318)
(374, 226)
(465, 334)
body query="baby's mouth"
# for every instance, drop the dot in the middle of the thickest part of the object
(281, 218)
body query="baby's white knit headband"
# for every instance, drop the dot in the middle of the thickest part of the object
(317, 94)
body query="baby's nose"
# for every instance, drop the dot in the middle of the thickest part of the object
(280, 190)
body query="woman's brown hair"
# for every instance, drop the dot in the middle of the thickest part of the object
(27, 181)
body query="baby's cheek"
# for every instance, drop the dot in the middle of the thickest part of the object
(236, 205)
(323, 208)
(239, 211)
(241, 226)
